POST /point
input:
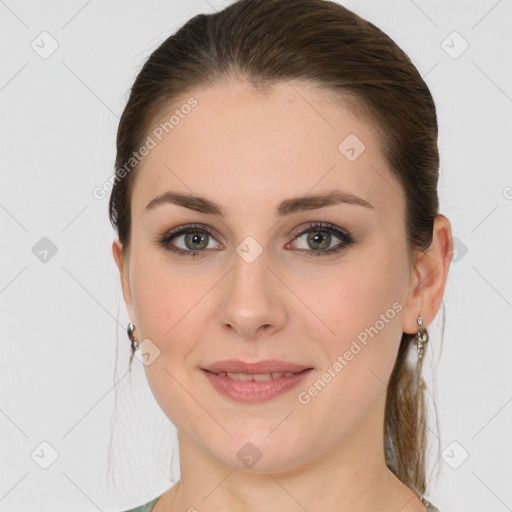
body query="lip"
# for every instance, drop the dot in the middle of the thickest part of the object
(254, 391)
(267, 366)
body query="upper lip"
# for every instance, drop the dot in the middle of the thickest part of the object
(267, 366)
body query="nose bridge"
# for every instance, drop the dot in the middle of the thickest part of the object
(251, 299)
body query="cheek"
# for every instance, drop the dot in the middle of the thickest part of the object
(366, 320)
(165, 297)
(154, 299)
(362, 308)
(362, 295)
(168, 307)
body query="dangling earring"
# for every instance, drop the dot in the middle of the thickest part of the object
(421, 337)
(133, 339)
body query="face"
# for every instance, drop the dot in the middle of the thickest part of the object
(264, 281)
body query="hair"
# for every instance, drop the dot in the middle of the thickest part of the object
(267, 42)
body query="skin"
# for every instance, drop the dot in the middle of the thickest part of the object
(248, 151)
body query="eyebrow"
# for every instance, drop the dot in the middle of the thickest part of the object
(286, 207)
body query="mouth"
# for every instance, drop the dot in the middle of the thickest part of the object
(255, 387)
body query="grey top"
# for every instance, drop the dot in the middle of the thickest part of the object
(148, 507)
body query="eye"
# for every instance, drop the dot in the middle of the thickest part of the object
(320, 236)
(194, 237)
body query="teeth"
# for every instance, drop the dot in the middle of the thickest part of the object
(256, 376)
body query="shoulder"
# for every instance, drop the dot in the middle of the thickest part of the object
(147, 507)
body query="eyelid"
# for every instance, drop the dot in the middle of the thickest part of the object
(179, 230)
(308, 226)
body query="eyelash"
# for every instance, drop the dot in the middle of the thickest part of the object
(323, 227)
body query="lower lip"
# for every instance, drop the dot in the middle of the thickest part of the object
(254, 391)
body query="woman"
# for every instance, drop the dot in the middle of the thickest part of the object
(281, 253)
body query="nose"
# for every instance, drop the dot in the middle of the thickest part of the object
(253, 302)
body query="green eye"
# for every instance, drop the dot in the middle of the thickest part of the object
(319, 238)
(195, 239)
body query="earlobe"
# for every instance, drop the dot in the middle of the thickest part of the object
(430, 276)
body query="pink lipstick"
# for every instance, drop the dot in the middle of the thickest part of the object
(254, 382)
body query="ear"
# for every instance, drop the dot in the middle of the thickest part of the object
(122, 265)
(429, 277)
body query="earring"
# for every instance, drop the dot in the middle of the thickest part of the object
(421, 337)
(131, 336)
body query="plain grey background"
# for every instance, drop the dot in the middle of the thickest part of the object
(65, 72)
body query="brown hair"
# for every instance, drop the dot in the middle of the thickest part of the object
(269, 41)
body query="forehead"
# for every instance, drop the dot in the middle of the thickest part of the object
(251, 148)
